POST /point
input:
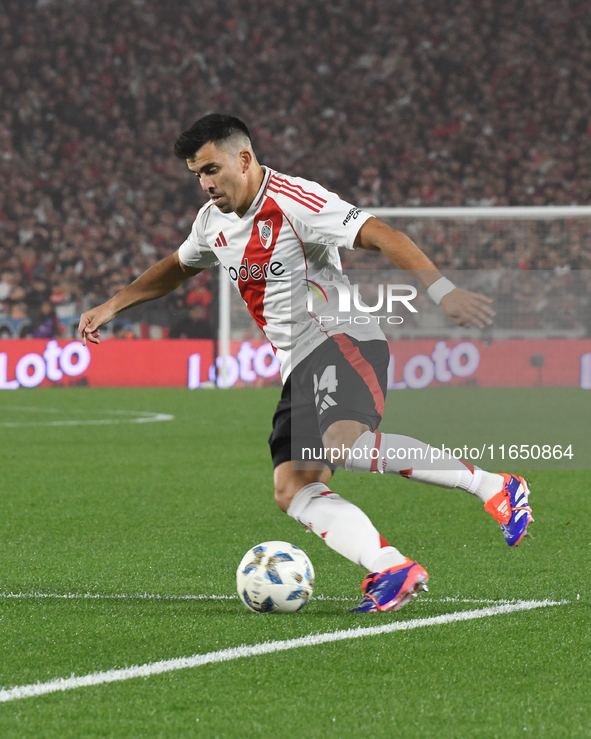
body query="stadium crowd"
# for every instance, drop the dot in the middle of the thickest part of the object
(434, 102)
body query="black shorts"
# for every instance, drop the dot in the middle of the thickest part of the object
(342, 380)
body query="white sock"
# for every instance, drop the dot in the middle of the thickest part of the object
(344, 527)
(398, 454)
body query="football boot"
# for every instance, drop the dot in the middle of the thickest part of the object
(511, 509)
(392, 588)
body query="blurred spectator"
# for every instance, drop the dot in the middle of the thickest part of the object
(121, 332)
(193, 326)
(387, 103)
(37, 295)
(46, 324)
(7, 280)
(18, 307)
(198, 294)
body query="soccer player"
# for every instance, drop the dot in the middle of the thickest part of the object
(278, 238)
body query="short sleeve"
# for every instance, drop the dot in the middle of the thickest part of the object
(322, 217)
(194, 251)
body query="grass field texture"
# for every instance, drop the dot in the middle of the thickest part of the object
(95, 503)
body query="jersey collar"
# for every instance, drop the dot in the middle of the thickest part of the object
(260, 194)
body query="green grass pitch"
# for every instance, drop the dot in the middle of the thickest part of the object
(169, 508)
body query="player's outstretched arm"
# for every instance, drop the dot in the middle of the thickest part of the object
(464, 307)
(160, 279)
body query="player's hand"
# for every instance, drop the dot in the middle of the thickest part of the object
(91, 321)
(467, 308)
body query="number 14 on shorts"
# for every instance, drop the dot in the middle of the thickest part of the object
(328, 384)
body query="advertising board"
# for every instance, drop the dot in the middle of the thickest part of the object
(189, 363)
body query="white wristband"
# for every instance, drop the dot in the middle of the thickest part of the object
(439, 289)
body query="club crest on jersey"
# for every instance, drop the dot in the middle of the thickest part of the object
(265, 233)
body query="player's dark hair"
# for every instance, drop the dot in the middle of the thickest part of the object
(214, 128)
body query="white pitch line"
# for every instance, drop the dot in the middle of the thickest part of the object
(157, 417)
(147, 596)
(150, 596)
(448, 599)
(158, 596)
(224, 655)
(113, 596)
(140, 417)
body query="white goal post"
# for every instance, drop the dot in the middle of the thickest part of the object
(469, 213)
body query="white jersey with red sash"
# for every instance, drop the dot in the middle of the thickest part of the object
(282, 256)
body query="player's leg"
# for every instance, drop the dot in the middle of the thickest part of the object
(302, 490)
(505, 496)
(356, 386)
(355, 382)
(358, 449)
(394, 579)
(306, 496)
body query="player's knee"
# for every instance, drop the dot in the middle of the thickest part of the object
(288, 482)
(286, 488)
(339, 437)
(283, 497)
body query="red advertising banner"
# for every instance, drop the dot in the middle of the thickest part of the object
(503, 363)
(131, 363)
(190, 363)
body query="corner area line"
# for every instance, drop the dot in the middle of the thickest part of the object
(224, 655)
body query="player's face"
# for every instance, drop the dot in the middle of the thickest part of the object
(223, 176)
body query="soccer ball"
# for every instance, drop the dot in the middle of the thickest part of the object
(275, 577)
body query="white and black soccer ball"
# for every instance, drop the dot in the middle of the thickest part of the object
(275, 577)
